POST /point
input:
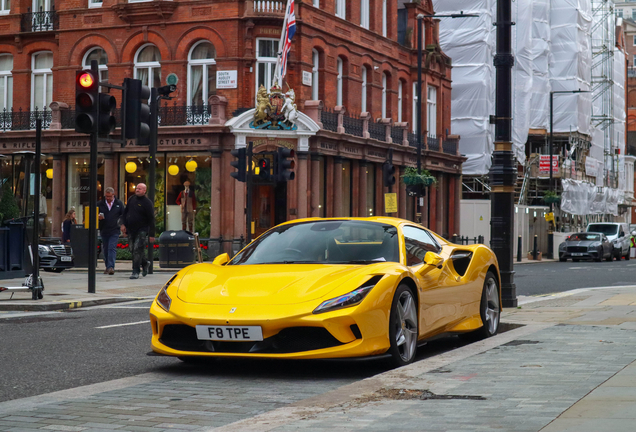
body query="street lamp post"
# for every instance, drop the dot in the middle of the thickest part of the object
(550, 253)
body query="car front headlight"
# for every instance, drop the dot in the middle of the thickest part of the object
(349, 299)
(163, 299)
(594, 245)
(43, 248)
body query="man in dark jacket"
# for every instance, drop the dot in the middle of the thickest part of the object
(110, 212)
(138, 222)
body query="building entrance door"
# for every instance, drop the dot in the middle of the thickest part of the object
(269, 206)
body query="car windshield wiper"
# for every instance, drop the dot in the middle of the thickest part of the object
(357, 262)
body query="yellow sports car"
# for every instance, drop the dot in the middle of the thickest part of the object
(326, 288)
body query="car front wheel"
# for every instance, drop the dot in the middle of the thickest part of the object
(403, 327)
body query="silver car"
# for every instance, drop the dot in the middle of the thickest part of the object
(586, 245)
(618, 235)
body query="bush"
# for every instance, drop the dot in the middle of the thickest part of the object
(8, 206)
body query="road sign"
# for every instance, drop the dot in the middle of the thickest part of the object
(390, 203)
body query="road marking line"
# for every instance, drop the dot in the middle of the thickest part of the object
(121, 325)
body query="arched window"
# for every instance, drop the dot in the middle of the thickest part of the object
(364, 13)
(340, 67)
(315, 82)
(363, 105)
(147, 67)
(201, 73)
(102, 61)
(41, 80)
(6, 82)
(384, 91)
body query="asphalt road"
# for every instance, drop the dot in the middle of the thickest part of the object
(552, 277)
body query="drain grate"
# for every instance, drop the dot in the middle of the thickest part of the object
(520, 342)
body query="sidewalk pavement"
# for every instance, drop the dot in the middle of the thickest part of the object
(69, 289)
(563, 362)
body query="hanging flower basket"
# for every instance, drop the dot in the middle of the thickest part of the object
(551, 199)
(412, 177)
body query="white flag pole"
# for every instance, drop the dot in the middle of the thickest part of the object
(279, 60)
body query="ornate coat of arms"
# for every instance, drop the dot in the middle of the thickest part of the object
(275, 110)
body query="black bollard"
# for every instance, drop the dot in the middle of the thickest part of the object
(519, 246)
(455, 238)
(535, 252)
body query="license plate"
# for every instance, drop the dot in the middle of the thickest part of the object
(229, 333)
(578, 254)
(66, 258)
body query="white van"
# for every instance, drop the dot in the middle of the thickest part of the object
(617, 233)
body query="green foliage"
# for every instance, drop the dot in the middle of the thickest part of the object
(159, 199)
(8, 206)
(203, 184)
(412, 176)
(550, 194)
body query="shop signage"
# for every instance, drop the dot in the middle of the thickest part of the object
(328, 146)
(349, 149)
(307, 78)
(288, 143)
(544, 164)
(18, 145)
(226, 79)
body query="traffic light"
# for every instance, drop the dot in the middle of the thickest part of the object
(86, 101)
(240, 164)
(137, 111)
(284, 165)
(107, 121)
(388, 174)
(264, 172)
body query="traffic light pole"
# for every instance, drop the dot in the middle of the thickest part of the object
(92, 198)
(35, 280)
(152, 149)
(249, 182)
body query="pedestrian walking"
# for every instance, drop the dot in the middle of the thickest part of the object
(111, 211)
(138, 222)
(66, 225)
(188, 203)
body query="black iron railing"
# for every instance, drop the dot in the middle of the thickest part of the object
(432, 143)
(449, 146)
(184, 115)
(352, 125)
(397, 134)
(377, 131)
(23, 120)
(329, 120)
(40, 21)
(412, 139)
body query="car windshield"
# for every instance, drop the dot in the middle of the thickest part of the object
(585, 237)
(605, 229)
(323, 242)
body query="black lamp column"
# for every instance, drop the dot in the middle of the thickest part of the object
(503, 172)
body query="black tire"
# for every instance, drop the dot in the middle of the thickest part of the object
(600, 256)
(403, 328)
(58, 269)
(628, 251)
(490, 304)
(47, 269)
(610, 258)
(575, 260)
(563, 259)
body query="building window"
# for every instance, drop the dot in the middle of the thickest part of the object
(634, 40)
(414, 108)
(399, 116)
(316, 3)
(364, 13)
(341, 9)
(94, 3)
(384, 18)
(6, 82)
(634, 14)
(42, 5)
(431, 105)
(102, 61)
(41, 80)
(266, 55)
(315, 82)
(363, 107)
(201, 73)
(5, 6)
(147, 67)
(619, 13)
(339, 83)
(384, 84)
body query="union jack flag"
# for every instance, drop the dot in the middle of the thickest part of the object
(290, 29)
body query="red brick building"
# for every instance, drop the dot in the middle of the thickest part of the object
(352, 65)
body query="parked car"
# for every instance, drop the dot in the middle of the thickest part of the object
(55, 256)
(617, 233)
(586, 245)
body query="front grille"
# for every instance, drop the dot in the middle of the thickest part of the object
(290, 340)
(577, 248)
(62, 250)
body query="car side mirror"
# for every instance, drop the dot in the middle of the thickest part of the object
(431, 260)
(221, 259)
(621, 234)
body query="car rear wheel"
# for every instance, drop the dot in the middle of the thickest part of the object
(489, 309)
(610, 257)
(563, 259)
(627, 256)
(403, 327)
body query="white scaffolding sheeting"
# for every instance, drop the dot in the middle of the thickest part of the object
(583, 198)
(571, 64)
(522, 74)
(540, 96)
(470, 43)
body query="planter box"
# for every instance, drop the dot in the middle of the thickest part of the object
(539, 256)
(551, 200)
(416, 180)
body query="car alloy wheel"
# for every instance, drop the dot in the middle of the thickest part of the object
(490, 305)
(403, 326)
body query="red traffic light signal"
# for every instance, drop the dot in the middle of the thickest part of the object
(86, 100)
(86, 80)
